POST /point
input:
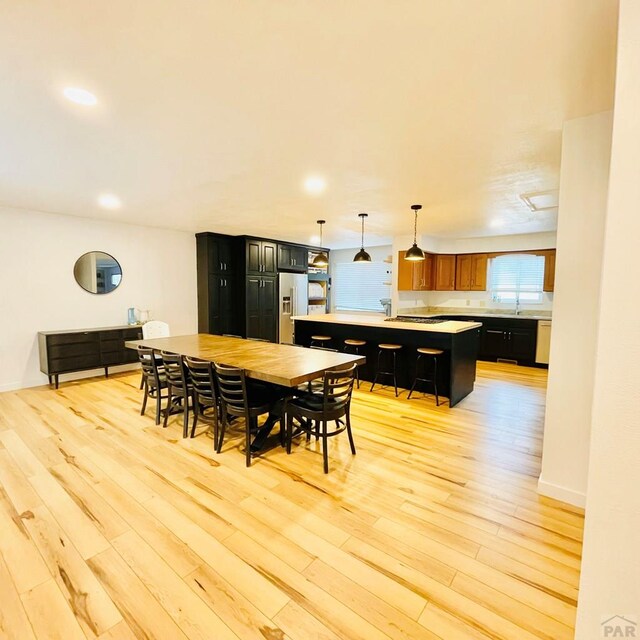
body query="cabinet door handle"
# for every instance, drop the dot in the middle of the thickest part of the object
(222, 266)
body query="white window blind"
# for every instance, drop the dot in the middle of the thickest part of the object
(515, 277)
(358, 286)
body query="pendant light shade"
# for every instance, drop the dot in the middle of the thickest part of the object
(321, 260)
(415, 253)
(362, 255)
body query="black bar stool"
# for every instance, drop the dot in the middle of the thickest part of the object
(352, 345)
(432, 354)
(320, 341)
(393, 350)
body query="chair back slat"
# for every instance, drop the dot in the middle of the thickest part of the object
(232, 387)
(202, 377)
(338, 387)
(174, 370)
(151, 368)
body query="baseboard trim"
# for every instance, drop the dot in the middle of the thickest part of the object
(67, 377)
(557, 492)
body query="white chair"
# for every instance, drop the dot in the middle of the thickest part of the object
(155, 329)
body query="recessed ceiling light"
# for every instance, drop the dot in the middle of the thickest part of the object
(80, 96)
(315, 185)
(109, 201)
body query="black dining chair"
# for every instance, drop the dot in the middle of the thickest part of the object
(180, 390)
(153, 379)
(314, 410)
(239, 399)
(204, 393)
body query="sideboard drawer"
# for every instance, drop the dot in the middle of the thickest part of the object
(75, 350)
(73, 338)
(65, 365)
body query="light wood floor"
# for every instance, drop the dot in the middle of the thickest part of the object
(111, 527)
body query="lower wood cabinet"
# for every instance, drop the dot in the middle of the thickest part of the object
(84, 349)
(508, 340)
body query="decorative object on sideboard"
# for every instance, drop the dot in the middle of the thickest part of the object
(362, 255)
(97, 272)
(415, 253)
(321, 260)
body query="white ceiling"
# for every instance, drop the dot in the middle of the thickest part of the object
(212, 113)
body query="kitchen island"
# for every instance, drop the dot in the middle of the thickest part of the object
(458, 340)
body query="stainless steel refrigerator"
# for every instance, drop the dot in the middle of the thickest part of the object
(293, 301)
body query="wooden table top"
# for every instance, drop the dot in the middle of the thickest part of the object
(277, 363)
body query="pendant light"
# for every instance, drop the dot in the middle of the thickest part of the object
(362, 255)
(321, 260)
(415, 253)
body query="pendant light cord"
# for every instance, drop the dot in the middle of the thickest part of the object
(362, 238)
(415, 228)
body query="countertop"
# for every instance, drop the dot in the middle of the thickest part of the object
(472, 314)
(378, 320)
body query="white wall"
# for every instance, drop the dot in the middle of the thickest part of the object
(610, 580)
(584, 175)
(38, 291)
(476, 299)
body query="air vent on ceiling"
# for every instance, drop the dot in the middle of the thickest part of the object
(540, 200)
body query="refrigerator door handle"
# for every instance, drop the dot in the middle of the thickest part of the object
(294, 297)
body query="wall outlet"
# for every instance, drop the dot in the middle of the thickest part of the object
(483, 303)
(468, 303)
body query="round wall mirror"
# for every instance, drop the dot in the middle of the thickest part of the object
(97, 272)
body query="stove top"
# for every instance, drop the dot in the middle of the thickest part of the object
(418, 320)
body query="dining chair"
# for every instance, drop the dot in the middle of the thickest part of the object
(154, 379)
(314, 410)
(204, 393)
(180, 390)
(154, 329)
(235, 400)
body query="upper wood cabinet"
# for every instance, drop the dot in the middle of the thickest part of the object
(471, 272)
(261, 257)
(415, 276)
(549, 269)
(445, 272)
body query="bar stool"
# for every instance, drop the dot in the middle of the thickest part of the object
(390, 349)
(352, 345)
(320, 341)
(426, 352)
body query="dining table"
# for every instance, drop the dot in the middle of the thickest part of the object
(281, 364)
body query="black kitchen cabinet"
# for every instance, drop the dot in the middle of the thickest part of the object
(219, 296)
(508, 340)
(292, 258)
(223, 305)
(261, 308)
(261, 257)
(216, 253)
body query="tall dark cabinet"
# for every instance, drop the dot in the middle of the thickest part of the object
(219, 291)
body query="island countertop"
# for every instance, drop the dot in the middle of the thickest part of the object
(380, 321)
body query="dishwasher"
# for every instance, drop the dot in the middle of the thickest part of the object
(543, 341)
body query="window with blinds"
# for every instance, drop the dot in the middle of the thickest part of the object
(358, 286)
(516, 277)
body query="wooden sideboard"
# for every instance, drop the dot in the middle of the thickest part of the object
(84, 349)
